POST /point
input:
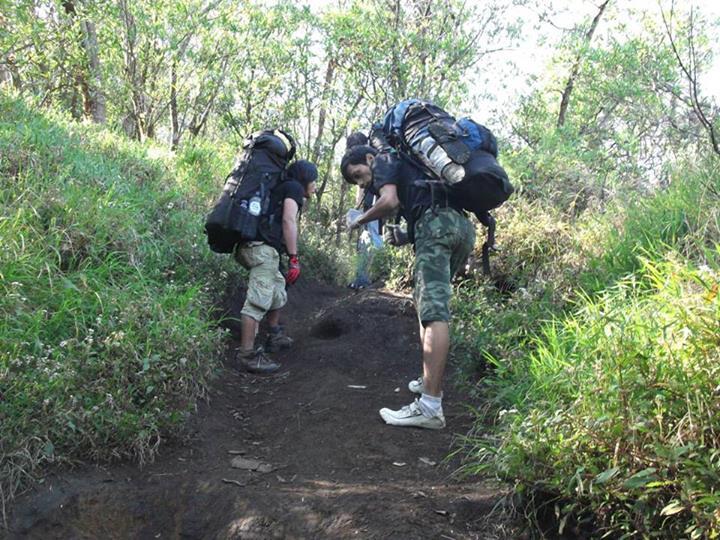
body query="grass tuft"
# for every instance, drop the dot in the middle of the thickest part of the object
(105, 288)
(605, 403)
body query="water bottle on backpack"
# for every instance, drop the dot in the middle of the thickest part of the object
(255, 205)
(436, 159)
(244, 201)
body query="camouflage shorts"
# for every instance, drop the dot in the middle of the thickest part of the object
(266, 286)
(443, 240)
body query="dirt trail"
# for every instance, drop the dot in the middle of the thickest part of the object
(337, 470)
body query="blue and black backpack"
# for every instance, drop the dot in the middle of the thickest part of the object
(460, 155)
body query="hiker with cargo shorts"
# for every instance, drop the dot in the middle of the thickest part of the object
(433, 168)
(266, 292)
(443, 237)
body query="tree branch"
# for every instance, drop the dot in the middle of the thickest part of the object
(565, 101)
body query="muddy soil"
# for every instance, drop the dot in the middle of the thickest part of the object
(326, 464)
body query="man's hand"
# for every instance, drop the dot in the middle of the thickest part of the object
(395, 236)
(351, 224)
(293, 272)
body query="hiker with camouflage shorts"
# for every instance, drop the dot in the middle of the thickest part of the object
(442, 237)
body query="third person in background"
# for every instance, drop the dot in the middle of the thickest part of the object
(369, 235)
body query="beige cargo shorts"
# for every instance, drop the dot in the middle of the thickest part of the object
(266, 287)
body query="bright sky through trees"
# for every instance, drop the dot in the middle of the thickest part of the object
(539, 39)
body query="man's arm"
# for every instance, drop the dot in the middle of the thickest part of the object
(385, 206)
(289, 225)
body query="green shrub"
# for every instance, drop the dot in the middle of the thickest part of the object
(543, 251)
(617, 414)
(105, 290)
(605, 411)
(534, 277)
(321, 257)
(684, 217)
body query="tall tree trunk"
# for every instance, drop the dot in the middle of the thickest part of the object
(5, 61)
(690, 70)
(136, 113)
(400, 83)
(5, 76)
(175, 141)
(92, 50)
(327, 85)
(565, 101)
(75, 111)
(197, 125)
(337, 134)
(79, 82)
(82, 84)
(15, 72)
(88, 78)
(340, 225)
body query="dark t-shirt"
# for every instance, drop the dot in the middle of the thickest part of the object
(368, 198)
(271, 228)
(416, 190)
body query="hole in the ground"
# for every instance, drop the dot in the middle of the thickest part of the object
(328, 329)
(504, 285)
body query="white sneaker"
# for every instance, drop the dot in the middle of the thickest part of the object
(412, 416)
(416, 385)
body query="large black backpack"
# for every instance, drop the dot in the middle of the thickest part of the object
(461, 156)
(245, 199)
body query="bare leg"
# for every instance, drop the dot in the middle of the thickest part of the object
(248, 332)
(436, 344)
(273, 317)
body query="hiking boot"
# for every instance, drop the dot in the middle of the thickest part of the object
(277, 340)
(412, 416)
(416, 386)
(256, 362)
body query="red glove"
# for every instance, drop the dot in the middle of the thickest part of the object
(293, 272)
